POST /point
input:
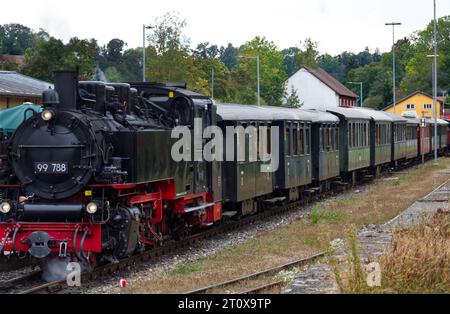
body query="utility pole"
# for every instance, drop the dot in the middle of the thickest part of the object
(144, 27)
(434, 78)
(393, 24)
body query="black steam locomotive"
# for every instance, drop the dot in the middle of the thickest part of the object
(93, 174)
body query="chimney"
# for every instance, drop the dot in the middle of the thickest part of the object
(66, 84)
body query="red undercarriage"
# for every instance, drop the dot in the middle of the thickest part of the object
(58, 232)
(61, 235)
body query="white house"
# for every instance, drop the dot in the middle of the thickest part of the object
(317, 89)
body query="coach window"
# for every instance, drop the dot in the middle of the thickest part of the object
(350, 135)
(307, 140)
(330, 138)
(361, 137)
(295, 139)
(336, 137)
(287, 139)
(301, 140)
(322, 137)
(365, 134)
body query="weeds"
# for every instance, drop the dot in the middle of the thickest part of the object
(418, 263)
(318, 214)
(186, 269)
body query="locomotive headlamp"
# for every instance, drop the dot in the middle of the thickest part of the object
(5, 207)
(47, 115)
(91, 208)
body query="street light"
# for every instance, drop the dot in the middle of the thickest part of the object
(434, 78)
(393, 24)
(361, 91)
(144, 27)
(257, 72)
(435, 81)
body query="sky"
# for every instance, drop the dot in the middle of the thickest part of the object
(337, 25)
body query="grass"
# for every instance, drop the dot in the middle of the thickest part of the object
(186, 269)
(419, 261)
(318, 214)
(301, 237)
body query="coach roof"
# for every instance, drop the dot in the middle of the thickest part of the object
(322, 116)
(394, 117)
(237, 112)
(349, 113)
(376, 115)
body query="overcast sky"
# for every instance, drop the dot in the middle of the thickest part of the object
(338, 25)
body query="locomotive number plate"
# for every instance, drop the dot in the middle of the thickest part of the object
(51, 167)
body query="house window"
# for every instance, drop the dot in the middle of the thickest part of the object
(410, 106)
(427, 106)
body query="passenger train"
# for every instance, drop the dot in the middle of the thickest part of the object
(91, 177)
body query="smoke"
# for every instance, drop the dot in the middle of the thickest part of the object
(54, 269)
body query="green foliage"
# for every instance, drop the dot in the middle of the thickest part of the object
(113, 75)
(170, 58)
(272, 72)
(16, 38)
(308, 56)
(293, 101)
(186, 269)
(318, 215)
(51, 55)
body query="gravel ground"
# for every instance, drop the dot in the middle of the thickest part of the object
(167, 263)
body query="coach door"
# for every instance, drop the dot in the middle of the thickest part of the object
(200, 173)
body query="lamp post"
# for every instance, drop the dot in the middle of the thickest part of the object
(393, 24)
(144, 27)
(257, 73)
(360, 91)
(435, 82)
(434, 78)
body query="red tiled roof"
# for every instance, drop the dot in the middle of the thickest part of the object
(14, 59)
(331, 82)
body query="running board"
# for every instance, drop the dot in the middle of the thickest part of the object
(275, 200)
(193, 209)
(229, 214)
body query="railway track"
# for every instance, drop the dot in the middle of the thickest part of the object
(169, 247)
(27, 284)
(270, 271)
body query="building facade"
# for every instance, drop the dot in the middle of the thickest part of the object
(16, 89)
(317, 89)
(418, 102)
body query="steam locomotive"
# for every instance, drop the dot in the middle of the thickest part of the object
(92, 176)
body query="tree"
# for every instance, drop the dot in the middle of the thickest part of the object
(112, 75)
(169, 54)
(229, 56)
(272, 72)
(16, 38)
(114, 50)
(308, 56)
(293, 101)
(51, 55)
(289, 59)
(418, 66)
(204, 50)
(42, 60)
(81, 55)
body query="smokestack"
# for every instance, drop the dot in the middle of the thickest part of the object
(66, 84)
